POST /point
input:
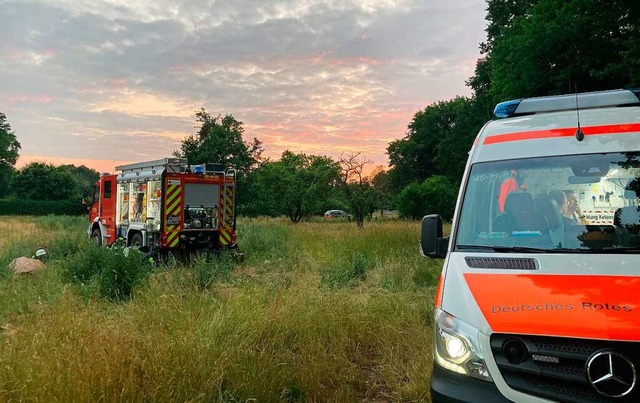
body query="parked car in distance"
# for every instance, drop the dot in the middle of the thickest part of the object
(336, 214)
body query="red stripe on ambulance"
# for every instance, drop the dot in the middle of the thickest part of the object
(563, 132)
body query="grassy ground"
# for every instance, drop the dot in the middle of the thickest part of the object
(317, 311)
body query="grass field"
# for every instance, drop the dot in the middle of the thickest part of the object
(317, 311)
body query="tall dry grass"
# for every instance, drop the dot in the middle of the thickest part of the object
(274, 328)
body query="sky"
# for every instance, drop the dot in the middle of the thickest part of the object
(106, 82)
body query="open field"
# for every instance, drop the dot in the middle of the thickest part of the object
(317, 311)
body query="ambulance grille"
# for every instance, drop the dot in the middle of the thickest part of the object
(559, 369)
(508, 263)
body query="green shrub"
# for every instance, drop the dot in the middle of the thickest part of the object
(348, 272)
(111, 273)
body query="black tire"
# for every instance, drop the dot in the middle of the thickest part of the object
(136, 240)
(96, 236)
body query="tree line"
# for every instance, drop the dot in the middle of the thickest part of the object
(533, 48)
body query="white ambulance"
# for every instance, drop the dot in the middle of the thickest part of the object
(539, 297)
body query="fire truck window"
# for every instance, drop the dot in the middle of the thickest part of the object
(107, 189)
(199, 194)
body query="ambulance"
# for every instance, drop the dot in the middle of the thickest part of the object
(539, 296)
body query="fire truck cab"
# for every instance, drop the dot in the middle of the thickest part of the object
(538, 296)
(165, 204)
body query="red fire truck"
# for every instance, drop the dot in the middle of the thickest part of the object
(165, 205)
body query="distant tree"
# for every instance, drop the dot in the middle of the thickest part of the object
(436, 195)
(42, 181)
(437, 143)
(360, 194)
(381, 183)
(297, 185)
(85, 177)
(219, 140)
(9, 147)
(6, 173)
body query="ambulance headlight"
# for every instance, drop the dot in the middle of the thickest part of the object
(457, 347)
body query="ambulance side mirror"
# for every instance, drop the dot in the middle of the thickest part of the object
(432, 243)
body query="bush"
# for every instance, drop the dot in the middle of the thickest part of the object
(436, 195)
(111, 273)
(41, 207)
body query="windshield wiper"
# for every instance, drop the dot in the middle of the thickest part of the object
(504, 249)
(613, 249)
(521, 249)
(526, 249)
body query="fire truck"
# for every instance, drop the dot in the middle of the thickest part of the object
(165, 205)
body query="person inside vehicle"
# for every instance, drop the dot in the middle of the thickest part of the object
(512, 183)
(561, 199)
(573, 208)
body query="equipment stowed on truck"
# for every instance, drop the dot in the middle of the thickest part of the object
(166, 205)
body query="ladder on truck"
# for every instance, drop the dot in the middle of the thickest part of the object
(142, 171)
(228, 205)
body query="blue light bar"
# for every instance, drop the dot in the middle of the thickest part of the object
(506, 109)
(198, 169)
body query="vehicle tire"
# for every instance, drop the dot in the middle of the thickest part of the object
(136, 240)
(96, 236)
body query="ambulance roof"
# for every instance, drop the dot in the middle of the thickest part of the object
(546, 126)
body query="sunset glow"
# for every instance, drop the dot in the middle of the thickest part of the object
(117, 82)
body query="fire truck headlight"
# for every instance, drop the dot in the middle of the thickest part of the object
(457, 347)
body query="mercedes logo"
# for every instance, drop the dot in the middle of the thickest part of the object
(611, 374)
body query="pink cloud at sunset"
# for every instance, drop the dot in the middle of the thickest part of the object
(98, 165)
(120, 82)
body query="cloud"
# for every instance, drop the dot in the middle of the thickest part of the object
(114, 79)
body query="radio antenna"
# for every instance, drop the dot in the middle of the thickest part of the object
(579, 133)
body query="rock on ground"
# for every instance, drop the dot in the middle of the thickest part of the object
(22, 265)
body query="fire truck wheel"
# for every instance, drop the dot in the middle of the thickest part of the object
(96, 237)
(136, 240)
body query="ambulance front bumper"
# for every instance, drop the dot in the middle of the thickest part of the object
(447, 386)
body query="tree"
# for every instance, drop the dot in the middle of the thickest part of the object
(6, 173)
(437, 143)
(381, 183)
(42, 181)
(219, 140)
(546, 47)
(436, 195)
(297, 185)
(85, 177)
(360, 195)
(9, 147)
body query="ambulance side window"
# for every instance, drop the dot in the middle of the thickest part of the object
(478, 205)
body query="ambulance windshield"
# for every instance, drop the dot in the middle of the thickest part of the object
(577, 203)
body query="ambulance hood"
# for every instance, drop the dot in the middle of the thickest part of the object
(581, 295)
